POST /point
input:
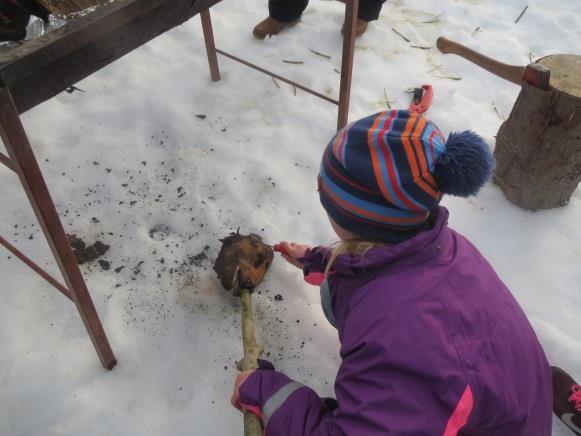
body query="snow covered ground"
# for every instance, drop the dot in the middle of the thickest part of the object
(133, 162)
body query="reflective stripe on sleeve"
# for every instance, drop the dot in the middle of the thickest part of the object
(277, 400)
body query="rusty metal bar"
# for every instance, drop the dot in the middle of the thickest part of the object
(276, 76)
(28, 171)
(351, 9)
(20, 255)
(210, 45)
(6, 161)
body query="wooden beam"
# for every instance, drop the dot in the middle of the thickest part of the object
(40, 68)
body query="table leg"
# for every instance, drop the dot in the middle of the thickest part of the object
(26, 167)
(351, 9)
(210, 46)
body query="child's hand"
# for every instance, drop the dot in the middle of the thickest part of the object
(291, 251)
(240, 378)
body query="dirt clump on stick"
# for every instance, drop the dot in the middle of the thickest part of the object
(242, 262)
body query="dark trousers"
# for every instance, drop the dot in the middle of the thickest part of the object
(288, 11)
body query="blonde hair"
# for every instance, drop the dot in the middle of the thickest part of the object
(354, 247)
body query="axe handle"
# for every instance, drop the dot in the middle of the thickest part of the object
(512, 73)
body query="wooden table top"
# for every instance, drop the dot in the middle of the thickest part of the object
(38, 69)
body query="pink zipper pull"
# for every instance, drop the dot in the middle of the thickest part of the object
(315, 278)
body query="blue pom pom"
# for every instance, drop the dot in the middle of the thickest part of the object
(465, 166)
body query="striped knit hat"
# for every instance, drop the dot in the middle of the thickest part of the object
(381, 176)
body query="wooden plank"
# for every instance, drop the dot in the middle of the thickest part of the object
(74, 33)
(41, 68)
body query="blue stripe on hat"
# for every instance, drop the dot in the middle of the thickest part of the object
(383, 165)
(427, 149)
(365, 228)
(393, 144)
(384, 211)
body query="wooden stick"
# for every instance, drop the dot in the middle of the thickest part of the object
(318, 53)
(252, 424)
(397, 32)
(252, 350)
(521, 14)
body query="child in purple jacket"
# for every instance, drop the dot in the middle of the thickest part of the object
(432, 341)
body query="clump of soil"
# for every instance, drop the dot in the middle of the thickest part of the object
(198, 259)
(242, 262)
(85, 253)
(105, 265)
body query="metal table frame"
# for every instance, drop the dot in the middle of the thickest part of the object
(351, 8)
(39, 69)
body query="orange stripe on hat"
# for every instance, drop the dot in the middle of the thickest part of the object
(389, 227)
(371, 215)
(375, 158)
(408, 148)
(391, 171)
(417, 142)
(428, 183)
(339, 138)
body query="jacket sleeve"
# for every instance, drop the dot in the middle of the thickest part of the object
(315, 260)
(286, 406)
(377, 395)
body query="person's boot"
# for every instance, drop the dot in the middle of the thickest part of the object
(360, 27)
(13, 21)
(269, 26)
(567, 399)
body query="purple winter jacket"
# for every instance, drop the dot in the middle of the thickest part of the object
(432, 343)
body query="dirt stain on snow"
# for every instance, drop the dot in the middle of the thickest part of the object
(87, 253)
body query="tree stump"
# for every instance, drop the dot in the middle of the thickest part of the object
(66, 7)
(538, 148)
